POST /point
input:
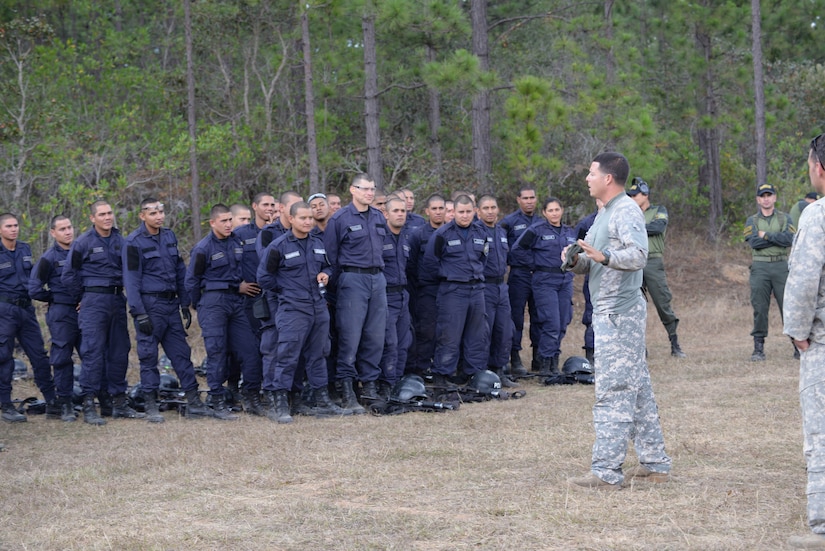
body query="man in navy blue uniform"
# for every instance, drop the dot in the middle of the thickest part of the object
(94, 275)
(520, 278)
(580, 230)
(423, 279)
(399, 327)
(496, 297)
(460, 250)
(214, 281)
(293, 268)
(354, 241)
(61, 318)
(413, 220)
(320, 213)
(18, 320)
(157, 300)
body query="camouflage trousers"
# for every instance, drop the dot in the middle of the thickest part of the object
(812, 400)
(625, 407)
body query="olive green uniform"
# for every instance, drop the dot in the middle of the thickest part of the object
(655, 280)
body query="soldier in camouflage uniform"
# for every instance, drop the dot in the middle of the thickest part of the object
(614, 254)
(770, 234)
(805, 324)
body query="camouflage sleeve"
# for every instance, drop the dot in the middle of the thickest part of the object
(804, 305)
(628, 247)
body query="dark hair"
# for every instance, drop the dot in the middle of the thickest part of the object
(464, 199)
(260, 197)
(526, 187)
(359, 177)
(6, 215)
(93, 207)
(217, 210)
(550, 200)
(57, 218)
(487, 197)
(614, 164)
(395, 199)
(434, 197)
(287, 195)
(293, 210)
(148, 201)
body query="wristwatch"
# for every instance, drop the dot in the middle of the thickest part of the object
(606, 260)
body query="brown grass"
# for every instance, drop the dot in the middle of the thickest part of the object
(489, 476)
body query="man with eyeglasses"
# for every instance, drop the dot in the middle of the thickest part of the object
(654, 279)
(804, 323)
(770, 235)
(354, 241)
(153, 279)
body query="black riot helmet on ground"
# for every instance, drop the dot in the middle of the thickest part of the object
(168, 383)
(578, 369)
(485, 382)
(409, 388)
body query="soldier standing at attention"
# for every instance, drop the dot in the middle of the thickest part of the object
(804, 323)
(94, 275)
(214, 281)
(18, 320)
(614, 253)
(158, 300)
(770, 234)
(61, 318)
(655, 280)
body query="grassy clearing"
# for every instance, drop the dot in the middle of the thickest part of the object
(489, 476)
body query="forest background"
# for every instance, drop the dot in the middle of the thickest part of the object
(196, 102)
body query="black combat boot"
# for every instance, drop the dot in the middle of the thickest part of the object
(121, 409)
(589, 354)
(348, 399)
(150, 399)
(554, 376)
(301, 402)
(324, 406)
(675, 349)
(545, 367)
(506, 382)
(67, 413)
(53, 410)
(11, 415)
(219, 409)
(535, 365)
(105, 401)
(90, 412)
(280, 413)
(195, 406)
(252, 403)
(369, 391)
(758, 354)
(517, 368)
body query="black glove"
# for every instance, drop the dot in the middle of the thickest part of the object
(573, 252)
(187, 317)
(144, 324)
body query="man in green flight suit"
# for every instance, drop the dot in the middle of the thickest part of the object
(770, 234)
(654, 278)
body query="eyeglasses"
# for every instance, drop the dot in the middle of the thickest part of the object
(816, 150)
(153, 206)
(315, 196)
(365, 189)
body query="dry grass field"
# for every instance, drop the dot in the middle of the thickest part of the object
(489, 476)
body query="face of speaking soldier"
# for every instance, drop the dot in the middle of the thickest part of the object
(598, 182)
(301, 222)
(103, 219)
(152, 216)
(221, 225)
(488, 212)
(396, 215)
(63, 233)
(527, 201)
(553, 212)
(464, 213)
(816, 172)
(766, 202)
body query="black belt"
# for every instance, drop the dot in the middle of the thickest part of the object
(227, 291)
(494, 280)
(396, 288)
(471, 282)
(19, 302)
(549, 270)
(63, 303)
(355, 270)
(167, 295)
(112, 290)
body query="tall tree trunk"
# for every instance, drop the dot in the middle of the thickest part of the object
(374, 165)
(309, 100)
(482, 160)
(710, 177)
(759, 95)
(193, 150)
(610, 59)
(434, 117)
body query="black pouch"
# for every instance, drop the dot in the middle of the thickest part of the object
(260, 308)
